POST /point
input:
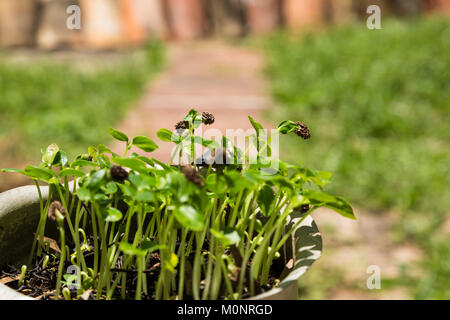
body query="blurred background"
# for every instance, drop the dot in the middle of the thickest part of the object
(377, 103)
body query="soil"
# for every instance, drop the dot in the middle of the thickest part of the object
(40, 283)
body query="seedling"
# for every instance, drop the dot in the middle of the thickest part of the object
(151, 230)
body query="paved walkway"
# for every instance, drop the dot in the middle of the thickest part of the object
(208, 76)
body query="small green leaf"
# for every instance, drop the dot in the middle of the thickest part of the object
(103, 149)
(287, 126)
(110, 188)
(113, 215)
(95, 178)
(189, 217)
(145, 144)
(129, 249)
(50, 154)
(256, 125)
(227, 236)
(84, 194)
(83, 163)
(71, 172)
(118, 135)
(168, 136)
(338, 204)
(132, 163)
(13, 170)
(266, 197)
(40, 173)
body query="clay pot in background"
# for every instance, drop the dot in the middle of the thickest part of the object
(185, 18)
(341, 11)
(303, 13)
(102, 24)
(53, 32)
(437, 6)
(149, 15)
(17, 22)
(263, 16)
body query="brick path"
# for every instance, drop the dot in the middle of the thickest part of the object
(208, 76)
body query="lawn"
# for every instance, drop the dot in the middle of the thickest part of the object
(45, 101)
(378, 107)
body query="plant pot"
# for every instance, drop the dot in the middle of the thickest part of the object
(263, 16)
(17, 22)
(19, 215)
(300, 14)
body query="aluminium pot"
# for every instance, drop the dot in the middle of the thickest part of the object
(19, 216)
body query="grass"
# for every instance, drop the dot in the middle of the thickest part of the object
(378, 106)
(43, 101)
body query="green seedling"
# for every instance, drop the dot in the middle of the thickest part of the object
(136, 227)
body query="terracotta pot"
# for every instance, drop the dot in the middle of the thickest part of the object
(19, 215)
(102, 24)
(342, 11)
(52, 32)
(301, 13)
(17, 22)
(437, 5)
(185, 18)
(263, 16)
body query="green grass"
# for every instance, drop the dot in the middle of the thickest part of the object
(378, 107)
(43, 101)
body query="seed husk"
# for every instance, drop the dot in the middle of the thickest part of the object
(207, 118)
(192, 175)
(302, 130)
(118, 173)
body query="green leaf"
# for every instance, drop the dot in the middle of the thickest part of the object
(84, 194)
(110, 187)
(145, 144)
(71, 172)
(40, 173)
(113, 215)
(103, 149)
(338, 204)
(95, 179)
(266, 197)
(129, 249)
(83, 163)
(144, 196)
(118, 135)
(146, 246)
(63, 158)
(50, 154)
(256, 125)
(13, 170)
(287, 126)
(227, 236)
(132, 163)
(189, 217)
(168, 136)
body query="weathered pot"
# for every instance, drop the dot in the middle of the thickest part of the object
(19, 216)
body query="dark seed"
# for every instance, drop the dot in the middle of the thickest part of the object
(118, 173)
(192, 175)
(182, 125)
(207, 118)
(55, 205)
(302, 130)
